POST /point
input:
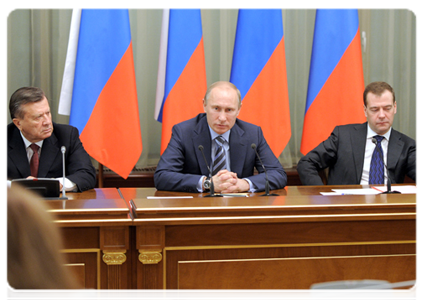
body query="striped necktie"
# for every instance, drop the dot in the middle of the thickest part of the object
(376, 174)
(219, 158)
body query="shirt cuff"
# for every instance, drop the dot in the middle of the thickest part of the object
(69, 186)
(252, 187)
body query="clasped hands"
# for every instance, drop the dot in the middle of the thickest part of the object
(228, 182)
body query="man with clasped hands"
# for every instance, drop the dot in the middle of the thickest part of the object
(182, 166)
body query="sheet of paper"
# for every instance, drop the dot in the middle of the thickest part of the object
(366, 191)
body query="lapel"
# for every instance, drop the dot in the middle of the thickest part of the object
(237, 148)
(17, 153)
(358, 143)
(48, 154)
(395, 147)
(202, 137)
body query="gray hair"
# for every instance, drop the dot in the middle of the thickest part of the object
(22, 96)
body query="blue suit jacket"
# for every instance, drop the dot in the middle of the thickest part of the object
(79, 168)
(182, 164)
(343, 154)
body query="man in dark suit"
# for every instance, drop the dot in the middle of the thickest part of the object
(349, 149)
(182, 166)
(32, 124)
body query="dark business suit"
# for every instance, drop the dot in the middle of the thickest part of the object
(182, 164)
(79, 168)
(343, 152)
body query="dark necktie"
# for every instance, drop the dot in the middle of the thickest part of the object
(219, 158)
(376, 174)
(33, 164)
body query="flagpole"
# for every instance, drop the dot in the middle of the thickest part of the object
(100, 175)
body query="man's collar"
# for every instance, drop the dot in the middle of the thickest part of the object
(215, 135)
(28, 143)
(371, 133)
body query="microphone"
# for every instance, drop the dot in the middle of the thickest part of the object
(212, 194)
(374, 141)
(63, 149)
(267, 188)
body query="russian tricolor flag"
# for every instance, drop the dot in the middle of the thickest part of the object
(99, 82)
(336, 81)
(259, 72)
(181, 83)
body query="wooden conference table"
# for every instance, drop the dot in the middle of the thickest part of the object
(119, 239)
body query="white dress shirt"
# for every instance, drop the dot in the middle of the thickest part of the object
(370, 147)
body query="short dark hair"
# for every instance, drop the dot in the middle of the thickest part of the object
(377, 88)
(22, 96)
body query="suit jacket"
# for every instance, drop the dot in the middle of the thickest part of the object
(79, 168)
(343, 153)
(182, 164)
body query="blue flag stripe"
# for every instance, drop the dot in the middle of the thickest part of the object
(102, 43)
(254, 27)
(183, 39)
(333, 32)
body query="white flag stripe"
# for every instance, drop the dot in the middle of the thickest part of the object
(161, 76)
(65, 100)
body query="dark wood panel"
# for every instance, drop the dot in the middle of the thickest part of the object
(290, 233)
(175, 257)
(150, 276)
(89, 260)
(167, 235)
(81, 237)
(114, 238)
(292, 273)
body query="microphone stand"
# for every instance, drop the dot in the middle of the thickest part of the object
(212, 194)
(266, 186)
(63, 149)
(388, 190)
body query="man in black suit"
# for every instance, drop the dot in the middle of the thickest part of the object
(32, 124)
(349, 149)
(182, 166)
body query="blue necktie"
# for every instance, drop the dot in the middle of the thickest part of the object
(376, 174)
(219, 158)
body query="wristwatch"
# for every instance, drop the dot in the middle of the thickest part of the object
(207, 184)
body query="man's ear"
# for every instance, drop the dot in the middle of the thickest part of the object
(17, 123)
(239, 109)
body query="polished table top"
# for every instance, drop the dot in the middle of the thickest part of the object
(132, 203)
(287, 191)
(93, 207)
